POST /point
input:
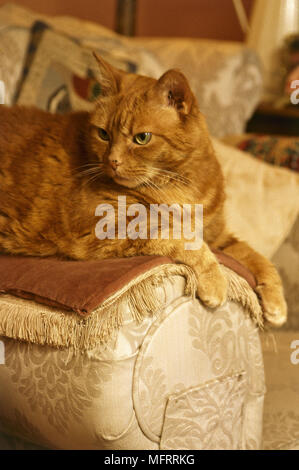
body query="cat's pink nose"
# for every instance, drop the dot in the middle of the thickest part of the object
(114, 164)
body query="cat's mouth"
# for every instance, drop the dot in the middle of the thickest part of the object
(128, 182)
(122, 180)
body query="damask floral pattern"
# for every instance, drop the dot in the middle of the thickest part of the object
(208, 417)
(60, 400)
(214, 346)
(281, 430)
(230, 341)
(281, 417)
(155, 387)
(19, 425)
(55, 383)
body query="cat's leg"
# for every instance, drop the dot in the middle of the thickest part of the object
(269, 285)
(212, 283)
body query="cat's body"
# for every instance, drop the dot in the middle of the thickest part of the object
(44, 189)
(55, 170)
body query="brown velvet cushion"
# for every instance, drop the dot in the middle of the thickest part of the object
(81, 286)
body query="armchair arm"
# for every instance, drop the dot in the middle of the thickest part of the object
(185, 378)
(199, 380)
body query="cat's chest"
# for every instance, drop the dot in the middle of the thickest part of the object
(121, 199)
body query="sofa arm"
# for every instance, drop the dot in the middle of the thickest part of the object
(127, 394)
(226, 78)
(199, 380)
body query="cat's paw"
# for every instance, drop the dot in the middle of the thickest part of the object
(273, 304)
(212, 286)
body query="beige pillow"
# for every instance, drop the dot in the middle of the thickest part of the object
(262, 200)
(225, 77)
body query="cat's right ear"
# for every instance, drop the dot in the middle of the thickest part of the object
(176, 91)
(110, 77)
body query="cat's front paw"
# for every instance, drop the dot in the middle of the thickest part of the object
(212, 286)
(273, 304)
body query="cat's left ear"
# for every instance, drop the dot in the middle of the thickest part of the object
(110, 77)
(176, 91)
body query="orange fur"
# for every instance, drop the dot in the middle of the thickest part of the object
(56, 169)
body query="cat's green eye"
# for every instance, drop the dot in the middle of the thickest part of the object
(103, 134)
(143, 138)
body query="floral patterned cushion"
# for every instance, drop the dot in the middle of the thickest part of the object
(276, 150)
(225, 77)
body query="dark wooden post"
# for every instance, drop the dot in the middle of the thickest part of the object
(126, 17)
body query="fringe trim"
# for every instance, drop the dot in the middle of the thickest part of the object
(28, 321)
(240, 291)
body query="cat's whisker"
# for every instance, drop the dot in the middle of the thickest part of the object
(88, 164)
(155, 175)
(94, 178)
(174, 176)
(148, 178)
(90, 169)
(162, 170)
(158, 190)
(175, 181)
(150, 184)
(152, 176)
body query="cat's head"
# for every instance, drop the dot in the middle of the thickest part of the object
(144, 130)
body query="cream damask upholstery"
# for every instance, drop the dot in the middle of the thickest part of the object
(281, 411)
(189, 378)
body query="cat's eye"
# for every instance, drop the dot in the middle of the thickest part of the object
(103, 134)
(143, 138)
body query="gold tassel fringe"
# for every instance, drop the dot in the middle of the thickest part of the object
(26, 320)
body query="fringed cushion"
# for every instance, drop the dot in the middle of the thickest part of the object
(132, 287)
(82, 286)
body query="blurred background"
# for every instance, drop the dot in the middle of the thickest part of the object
(241, 58)
(214, 19)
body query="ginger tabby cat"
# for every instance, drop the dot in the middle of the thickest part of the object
(147, 140)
